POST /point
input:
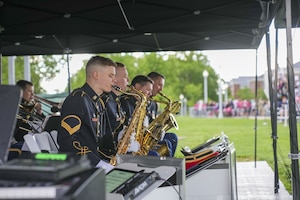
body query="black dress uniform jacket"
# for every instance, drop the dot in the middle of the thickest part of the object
(128, 104)
(82, 130)
(152, 110)
(114, 124)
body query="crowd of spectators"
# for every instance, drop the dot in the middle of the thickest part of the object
(232, 108)
(245, 108)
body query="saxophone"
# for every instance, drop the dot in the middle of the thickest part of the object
(136, 124)
(162, 123)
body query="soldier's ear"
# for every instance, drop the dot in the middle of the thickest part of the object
(138, 86)
(96, 74)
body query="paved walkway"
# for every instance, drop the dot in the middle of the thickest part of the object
(257, 183)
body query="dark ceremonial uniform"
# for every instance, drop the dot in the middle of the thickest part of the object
(21, 128)
(152, 109)
(82, 129)
(170, 139)
(115, 113)
(115, 119)
(27, 115)
(128, 104)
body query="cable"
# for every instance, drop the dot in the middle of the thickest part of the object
(169, 183)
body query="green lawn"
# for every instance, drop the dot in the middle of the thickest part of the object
(240, 131)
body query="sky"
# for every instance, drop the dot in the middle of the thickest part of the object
(228, 64)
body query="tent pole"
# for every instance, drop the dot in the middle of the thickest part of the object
(69, 76)
(294, 155)
(273, 102)
(1, 63)
(256, 112)
(0, 68)
(275, 135)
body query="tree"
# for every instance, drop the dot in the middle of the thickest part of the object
(41, 68)
(183, 72)
(261, 94)
(245, 93)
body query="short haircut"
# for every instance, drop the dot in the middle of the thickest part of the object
(155, 75)
(141, 79)
(23, 83)
(121, 65)
(100, 61)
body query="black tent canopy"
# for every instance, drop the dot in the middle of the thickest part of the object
(47, 27)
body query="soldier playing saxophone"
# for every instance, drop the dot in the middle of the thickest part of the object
(170, 139)
(115, 113)
(143, 85)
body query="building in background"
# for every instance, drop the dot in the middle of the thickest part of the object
(262, 81)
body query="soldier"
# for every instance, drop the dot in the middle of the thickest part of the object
(115, 113)
(83, 115)
(29, 111)
(158, 85)
(143, 85)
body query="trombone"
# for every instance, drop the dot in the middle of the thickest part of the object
(54, 106)
(28, 114)
(34, 124)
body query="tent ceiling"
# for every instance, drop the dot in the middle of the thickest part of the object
(35, 27)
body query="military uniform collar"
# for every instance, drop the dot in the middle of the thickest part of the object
(113, 95)
(90, 92)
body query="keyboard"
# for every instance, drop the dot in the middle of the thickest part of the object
(44, 167)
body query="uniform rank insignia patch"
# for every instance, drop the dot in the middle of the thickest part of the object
(71, 123)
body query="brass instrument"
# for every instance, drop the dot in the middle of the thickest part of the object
(27, 114)
(55, 107)
(29, 108)
(162, 123)
(35, 125)
(135, 124)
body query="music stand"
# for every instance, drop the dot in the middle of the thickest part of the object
(10, 97)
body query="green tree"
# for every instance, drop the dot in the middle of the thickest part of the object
(261, 94)
(41, 68)
(183, 72)
(245, 93)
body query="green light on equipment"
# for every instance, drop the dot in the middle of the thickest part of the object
(50, 156)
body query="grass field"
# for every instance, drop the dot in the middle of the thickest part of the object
(240, 131)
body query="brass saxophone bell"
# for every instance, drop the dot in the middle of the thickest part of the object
(163, 150)
(173, 123)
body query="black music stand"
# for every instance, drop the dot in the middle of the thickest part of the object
(10, 97)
